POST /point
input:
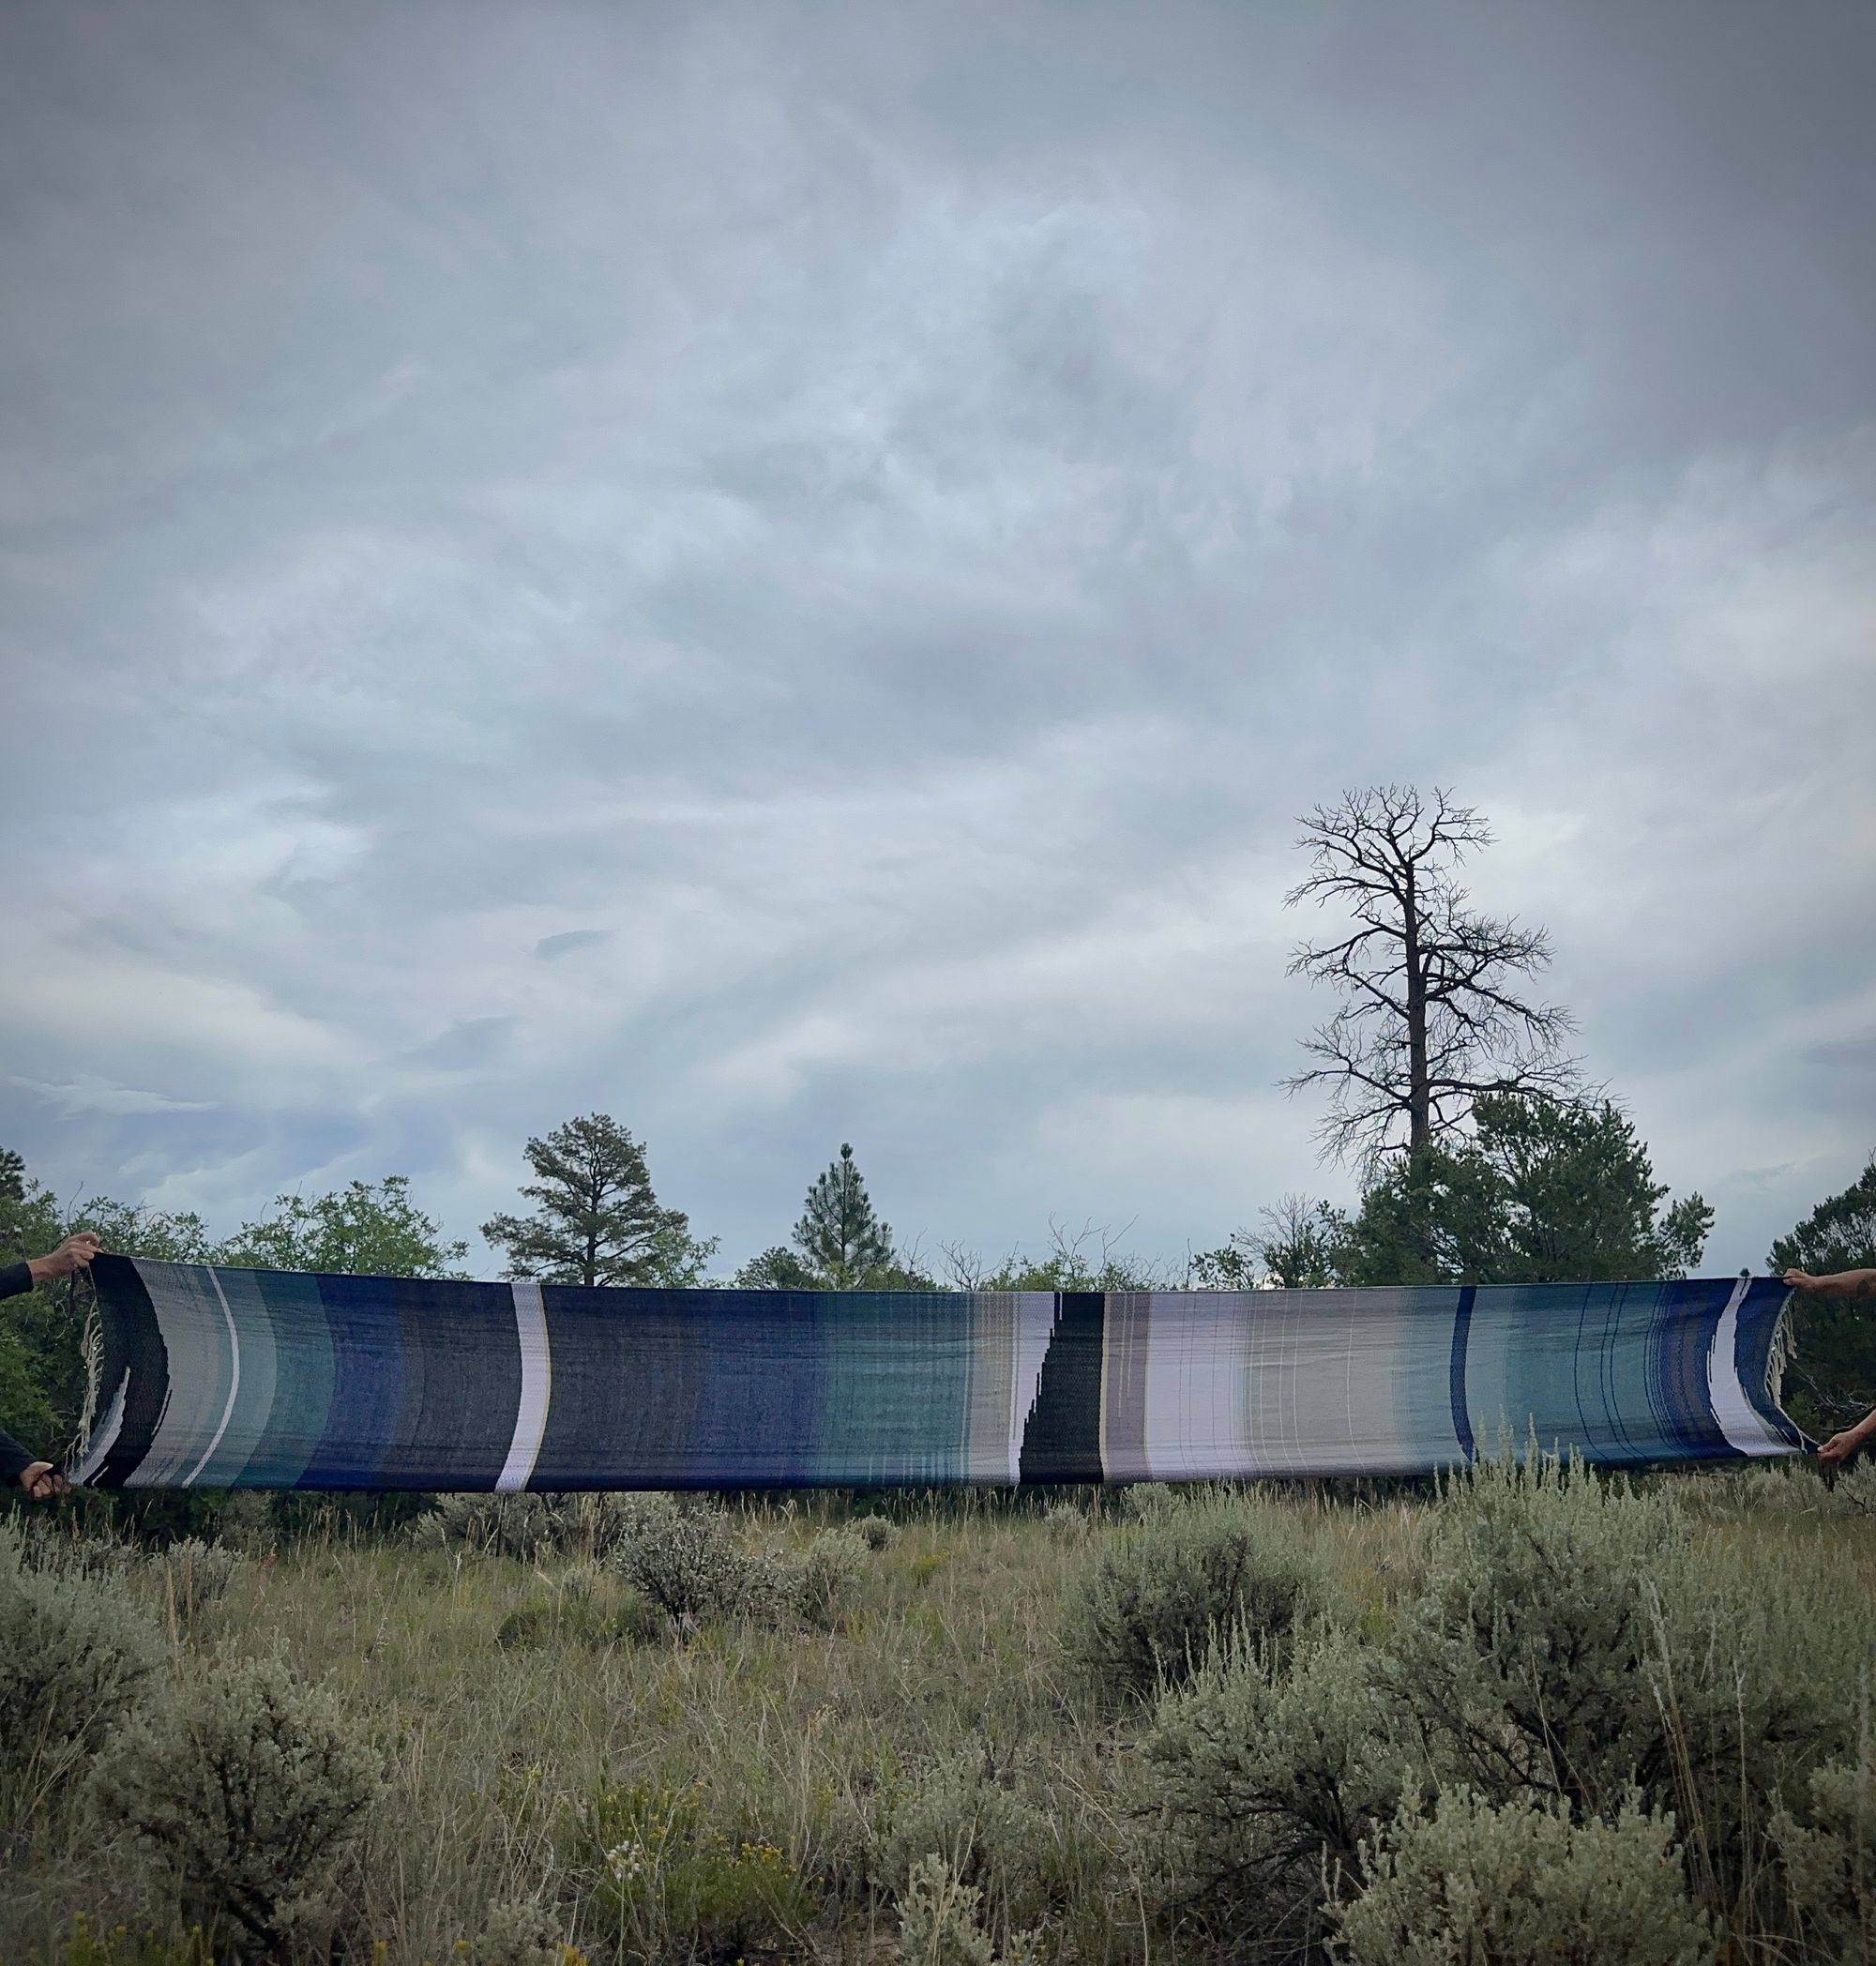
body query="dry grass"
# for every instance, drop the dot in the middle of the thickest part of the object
(801, 1740)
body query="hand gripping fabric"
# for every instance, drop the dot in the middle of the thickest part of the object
(220, 1378)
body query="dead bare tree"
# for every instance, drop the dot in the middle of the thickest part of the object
(1430, 1017)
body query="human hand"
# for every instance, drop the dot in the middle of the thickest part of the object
(74, 1253)
(1839, 1447)
(43, 1482)
(1798, 1279)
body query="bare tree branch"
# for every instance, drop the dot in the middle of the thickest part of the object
(1432, 1017)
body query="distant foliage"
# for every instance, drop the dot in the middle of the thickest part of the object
(1523, 1885)
(1153, 1602)
(1832, 1377)
(247, 1790)
(362, 1229)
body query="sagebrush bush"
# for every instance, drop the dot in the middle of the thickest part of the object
(878, 1533)
(531, 1528)
(193, 1577)
(1257, 1779)
(984, 1815)
(246, 1789)
(1520, 1884)
(1151, 1603)
(520, 1932)
(1065, 1522)
(689, 1562)
(74, 1660)
(938, 1923)
(63, 1548)
(1826, 1847)
(1526, 1659)
(828, 1578)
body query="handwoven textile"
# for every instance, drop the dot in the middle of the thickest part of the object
(220, 1378)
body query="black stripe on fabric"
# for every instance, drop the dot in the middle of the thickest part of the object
(1461, 1333)
(1062, 1441)
(132, 1341)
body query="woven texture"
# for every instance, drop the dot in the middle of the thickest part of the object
(269, 1379)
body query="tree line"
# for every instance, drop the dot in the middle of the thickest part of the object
(1483, 1153)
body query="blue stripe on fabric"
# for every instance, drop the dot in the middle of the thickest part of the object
(1457, 1373)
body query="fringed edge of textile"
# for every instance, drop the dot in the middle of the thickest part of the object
(91, 1348)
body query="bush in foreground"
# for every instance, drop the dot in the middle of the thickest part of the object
(246, 1790)
(1521, 1885)
(73, 1662)
(1150, 1604)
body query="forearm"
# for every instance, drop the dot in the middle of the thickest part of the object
(1848, 1283)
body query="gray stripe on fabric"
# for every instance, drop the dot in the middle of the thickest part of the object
(537, 1389)
(233, 1381)
(1738, 1417)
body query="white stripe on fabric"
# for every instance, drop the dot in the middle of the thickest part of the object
(105, 1437)
(536, 1388)
(234, 1383)
(1035, 1322)
(1738, 1417)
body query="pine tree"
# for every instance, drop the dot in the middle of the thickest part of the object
(843, 1244)
(597, 1220)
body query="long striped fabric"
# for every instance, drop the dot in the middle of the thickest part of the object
(218, 1378)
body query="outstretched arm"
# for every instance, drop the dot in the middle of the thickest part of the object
(1840, 1283)
(39, 1478)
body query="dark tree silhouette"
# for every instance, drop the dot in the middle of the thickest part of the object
(1430, 1018)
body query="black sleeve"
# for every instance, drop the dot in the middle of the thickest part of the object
(16, 1279)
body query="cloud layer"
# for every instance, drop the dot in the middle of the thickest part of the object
(783, 573)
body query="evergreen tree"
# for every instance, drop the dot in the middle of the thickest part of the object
(841, 1239)
(597, 1220)
(1832, 1376)
(1545, 1190)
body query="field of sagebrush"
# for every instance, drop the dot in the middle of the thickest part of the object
(1540, 1716)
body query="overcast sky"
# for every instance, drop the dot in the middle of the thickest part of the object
(784, 573)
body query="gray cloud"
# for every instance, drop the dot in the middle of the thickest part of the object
(885, 521)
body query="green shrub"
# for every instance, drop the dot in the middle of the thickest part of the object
(1251, 1783)
(247, 1790)
(584, 1605)
(938, 1923)
(1527, 1659)
(1521, 1885)
(674, 1885)
(194, 1578)
(1065, 1522)
(125, 1945)
(520, 1932)
(63, 1548)
(73, 1661)
(688, 1562)
(983, 1815)
(877, 1532)
(828, 1576)
(1827, 1853)
(1150, 1604)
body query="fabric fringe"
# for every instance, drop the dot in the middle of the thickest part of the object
(91, 1348)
